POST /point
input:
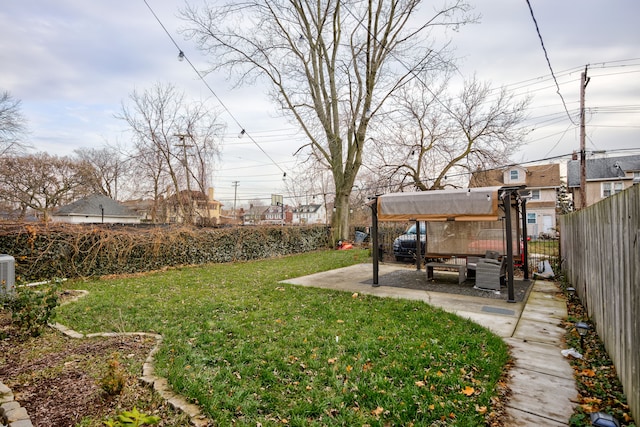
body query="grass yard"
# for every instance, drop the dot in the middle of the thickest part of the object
(252, 351)
(544, 247)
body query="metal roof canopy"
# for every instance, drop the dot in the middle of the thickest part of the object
(468, 204)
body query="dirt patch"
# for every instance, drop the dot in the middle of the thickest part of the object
(57, 378)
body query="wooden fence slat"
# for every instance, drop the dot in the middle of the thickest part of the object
(601, 256)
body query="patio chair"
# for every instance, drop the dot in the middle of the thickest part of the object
(490, 273)
(472, 262)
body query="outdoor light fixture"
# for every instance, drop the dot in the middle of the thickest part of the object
(583, 328)
(181, 56)
(600, 419)
(241, 134)
(571, 291)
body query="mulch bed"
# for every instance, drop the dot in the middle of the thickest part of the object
(57, 378)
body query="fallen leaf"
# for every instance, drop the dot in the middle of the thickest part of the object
(468, 391)
(588, 408)
(420, 383)
(340, 321)
(355, 295)
(332, 360)
(349, 368)
(588, 373)
(378, 411)
(481, 409)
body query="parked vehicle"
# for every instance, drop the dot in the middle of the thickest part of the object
(404, 246)
(493, 240)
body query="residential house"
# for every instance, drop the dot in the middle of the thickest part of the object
(254, 215)
(95, 209)
(604, 177)
(277, 215)
(205, 210)
(310, 214)
(144, 208)
(543, 181)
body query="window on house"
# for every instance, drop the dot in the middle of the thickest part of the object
(514, 175)
(609, 188)
(617, 187)
(535, 194)
(531, 217)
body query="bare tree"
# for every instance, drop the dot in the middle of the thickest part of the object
(12, 125)
(331, 66)
(435, 140)
(107, 165)
(42, 181)
(175, 145)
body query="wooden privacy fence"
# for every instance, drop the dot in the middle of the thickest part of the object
(600, 246)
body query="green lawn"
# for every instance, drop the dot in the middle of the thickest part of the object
(545, 247)
(252, 351)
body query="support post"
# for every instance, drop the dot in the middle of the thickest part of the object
(506, 201)
(418, 247)
(525, 246)
(374, 240)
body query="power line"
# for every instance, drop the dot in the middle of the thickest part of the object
(546, 55)
(182, 56)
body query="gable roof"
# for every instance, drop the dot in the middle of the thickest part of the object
(602, 169)
(93, 206)
(307, 208)
(540, 176)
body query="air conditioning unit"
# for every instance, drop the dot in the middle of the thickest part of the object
(7, 276)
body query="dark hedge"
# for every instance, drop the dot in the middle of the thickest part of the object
(46, 251)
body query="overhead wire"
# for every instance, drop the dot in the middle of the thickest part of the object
(546, 55)
(520, 85)
(184, 57)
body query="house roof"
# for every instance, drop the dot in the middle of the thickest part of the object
(93, 205)
(602, 169)
(540, 176)
(307, 208)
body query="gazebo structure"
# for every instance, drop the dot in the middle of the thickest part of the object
(457, 221)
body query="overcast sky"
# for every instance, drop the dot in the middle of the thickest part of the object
(73, 62)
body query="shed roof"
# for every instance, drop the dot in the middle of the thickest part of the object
(467, 204)
(94, 205)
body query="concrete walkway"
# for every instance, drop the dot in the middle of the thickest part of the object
(542, 384)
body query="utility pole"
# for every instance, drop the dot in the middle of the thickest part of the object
(235, 195)
(584, 81)
(187, 210)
